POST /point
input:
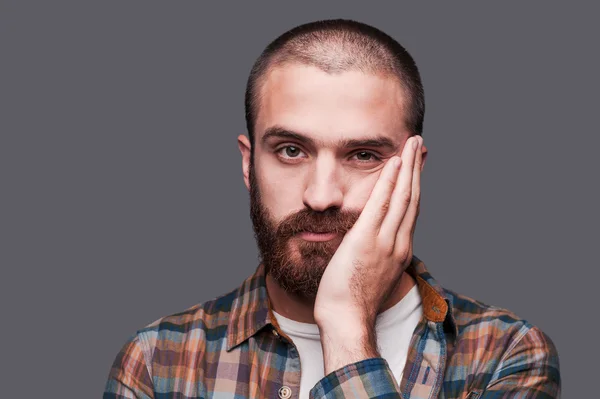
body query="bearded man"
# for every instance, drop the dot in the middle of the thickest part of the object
(339, 306)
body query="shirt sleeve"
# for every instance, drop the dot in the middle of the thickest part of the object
(530, 369)
(369, 378)
(129, 377)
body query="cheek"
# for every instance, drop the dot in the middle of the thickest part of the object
(281, 190)
(359, 190)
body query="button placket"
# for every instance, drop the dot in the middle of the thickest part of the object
(285, 392)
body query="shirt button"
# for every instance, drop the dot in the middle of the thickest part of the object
(285, 392)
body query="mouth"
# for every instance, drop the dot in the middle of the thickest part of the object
(312, 236)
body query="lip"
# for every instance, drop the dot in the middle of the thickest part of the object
(308, 236)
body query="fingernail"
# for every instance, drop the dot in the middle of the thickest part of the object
(415, 143)
(397, 162)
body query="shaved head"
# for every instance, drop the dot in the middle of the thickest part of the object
(327, 103)
(336, 46)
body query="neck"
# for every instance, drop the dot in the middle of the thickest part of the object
(301, 309)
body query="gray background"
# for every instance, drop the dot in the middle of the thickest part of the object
(122, 197)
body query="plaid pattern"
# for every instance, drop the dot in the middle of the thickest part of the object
(232, 347)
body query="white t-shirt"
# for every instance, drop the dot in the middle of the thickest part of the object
(394, 329)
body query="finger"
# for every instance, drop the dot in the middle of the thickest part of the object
(402, 193)
(379, 201)
(408, 224)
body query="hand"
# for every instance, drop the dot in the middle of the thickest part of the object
(374, 253)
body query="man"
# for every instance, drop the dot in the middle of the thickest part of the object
(339, 306)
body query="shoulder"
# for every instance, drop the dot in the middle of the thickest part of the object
(475, 319)
(165, 347)
(206, 315)
(469, 312)
(495, 340)
(174, 336)
(473, 316)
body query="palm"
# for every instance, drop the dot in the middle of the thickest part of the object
(374, 253)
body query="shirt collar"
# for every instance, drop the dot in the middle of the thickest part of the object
(251, 309)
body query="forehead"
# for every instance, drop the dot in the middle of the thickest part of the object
(328, 107)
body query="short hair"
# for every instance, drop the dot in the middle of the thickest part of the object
(335, 46)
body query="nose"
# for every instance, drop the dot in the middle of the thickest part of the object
(323, 189)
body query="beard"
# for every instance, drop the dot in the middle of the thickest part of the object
(295, 264)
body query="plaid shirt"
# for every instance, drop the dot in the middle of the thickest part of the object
(232, 347)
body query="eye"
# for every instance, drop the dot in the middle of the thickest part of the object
(366, 156)
(289, 152)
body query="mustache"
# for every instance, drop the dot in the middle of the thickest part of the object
(330, 220)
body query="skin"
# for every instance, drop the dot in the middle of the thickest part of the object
(366, 275)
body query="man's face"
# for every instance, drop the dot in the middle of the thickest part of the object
(320, 143)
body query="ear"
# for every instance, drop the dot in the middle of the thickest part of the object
(245, 147)
(424, 154)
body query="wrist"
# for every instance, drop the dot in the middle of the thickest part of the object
(344, 343)
(343, 319)
(348, 334)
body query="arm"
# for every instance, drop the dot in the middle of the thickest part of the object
(530, 369)
(129, 377)
(353, 366)
(363, 271)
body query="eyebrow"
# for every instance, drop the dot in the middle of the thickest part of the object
(376, 141)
